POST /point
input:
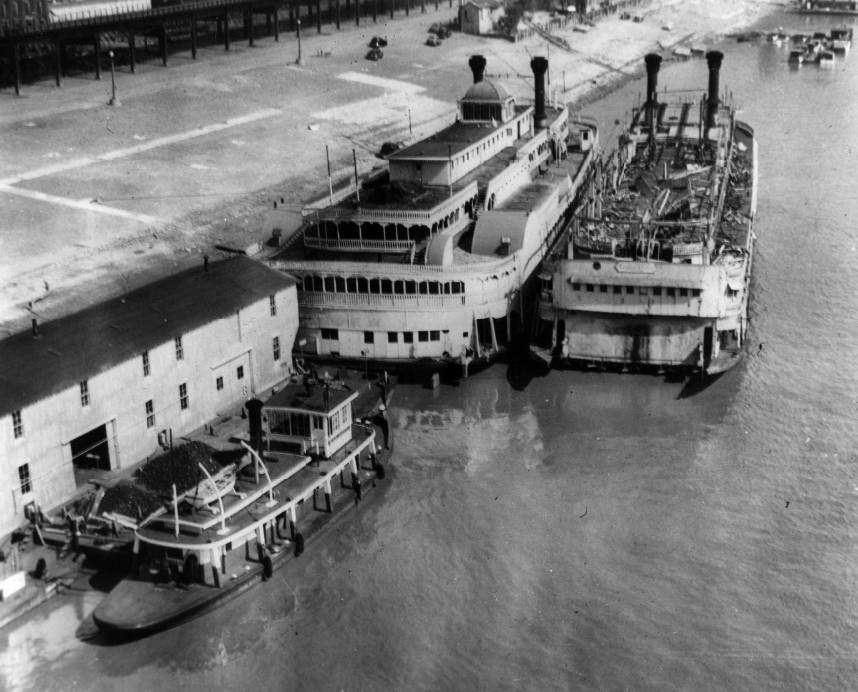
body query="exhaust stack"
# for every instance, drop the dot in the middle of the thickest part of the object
(713, 59)
(653, 62)
(539, 65)
(477, 63)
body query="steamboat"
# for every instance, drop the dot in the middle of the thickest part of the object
(657, 268)
(435, 260)
(308, 464)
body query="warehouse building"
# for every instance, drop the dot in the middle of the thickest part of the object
(99, 388)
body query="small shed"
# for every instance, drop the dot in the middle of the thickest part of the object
(308, 418)
(480, 16)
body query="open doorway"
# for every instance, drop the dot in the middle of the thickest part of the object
(90, 454)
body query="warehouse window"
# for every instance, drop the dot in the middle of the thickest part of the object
(368, 337)
(275, 345)
(392, 337)
(183, 396)
(239, 372)
(146, 364)
(150, 414)
(272, 304)
(219, 383)
(180, 350)
(17, 424)
(84, 393)
(24, 477)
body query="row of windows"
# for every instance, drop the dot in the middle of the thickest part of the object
(400, 287)
(642, 290)
(392, 337)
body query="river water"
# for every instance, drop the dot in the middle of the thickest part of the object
(590, 530)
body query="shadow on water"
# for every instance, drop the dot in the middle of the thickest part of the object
(695, 384)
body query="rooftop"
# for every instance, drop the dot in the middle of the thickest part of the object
(74, 348)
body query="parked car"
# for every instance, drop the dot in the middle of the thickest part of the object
(443, 32)
(378, 42)
(374, 54)
(433, 40)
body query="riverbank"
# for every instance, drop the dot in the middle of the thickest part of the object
(101, 199)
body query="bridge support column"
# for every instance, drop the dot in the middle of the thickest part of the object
(338, 14)
(96, 44)
(226, 31)
(193, 37)
(276, 24)
(162, 44)
(319, 16)
(58, 68)
(248, 20)
(357, 12)
(374, 11)
(16, 67)
(132, 57)
(392, 8)
(407, 7)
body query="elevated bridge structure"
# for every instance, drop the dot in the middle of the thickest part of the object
(116, 26)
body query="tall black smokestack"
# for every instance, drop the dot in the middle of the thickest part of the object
(653, 62)
(477, 64)
(539, 65)
(713, 59)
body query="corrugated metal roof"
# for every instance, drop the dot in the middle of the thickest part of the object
(79, 346)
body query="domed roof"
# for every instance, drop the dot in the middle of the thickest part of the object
(486, 91)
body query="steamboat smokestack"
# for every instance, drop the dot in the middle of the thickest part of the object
(653, 62)
(713, 59)
(477, 64)
(539, 65)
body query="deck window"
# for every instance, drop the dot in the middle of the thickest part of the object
(330, 334)
(351, 285)
(656, 290)
(696, 292)
(423, 336)
(590, 288)
(362, 285)
(408, 337)
(24, 478)
(630, 290)
(368, 337)
(329, 284)
(671, 292)
(434, 335)
(618, 289)
(339, 284)
(150, 414)
(683, 292)
(603, 288)
(393, 337)
(576, 286)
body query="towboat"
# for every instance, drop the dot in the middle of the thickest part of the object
(308, 464)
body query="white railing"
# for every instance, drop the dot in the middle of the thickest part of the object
(394, 271)
(355, 245)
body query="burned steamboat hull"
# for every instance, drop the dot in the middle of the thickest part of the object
(657, 268)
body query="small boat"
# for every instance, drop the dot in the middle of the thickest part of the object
(682, 52)
(825, 59)
(840, 39)
(796, 58)
(312, 464)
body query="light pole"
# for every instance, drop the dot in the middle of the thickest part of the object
(300, 60)
(365, 355)
(113, 100)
